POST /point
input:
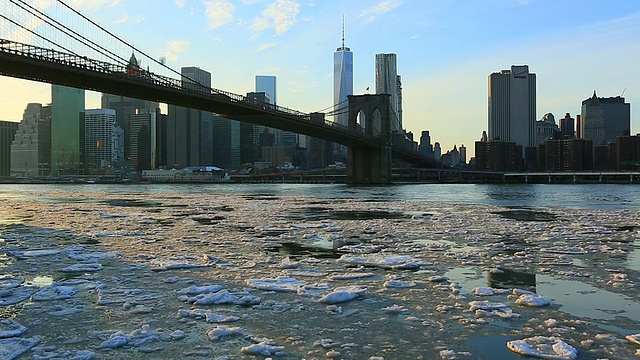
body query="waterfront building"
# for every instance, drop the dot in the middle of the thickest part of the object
(250, 134)
(320, 153)
(512, 106)
(145, 138)
(568, 126)
(498, 155)
(97, 128)
(451, 158)
(8, 131)
(425, 147)
(546, 128)
(437, 151)
(226, 142)
(190, 131)
(66, 105)
(628, 153)
(31, 147)
(387, 82)
(463, 154)
(604, 119)
(566, 155)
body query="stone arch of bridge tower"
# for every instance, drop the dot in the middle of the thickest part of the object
(376, 112)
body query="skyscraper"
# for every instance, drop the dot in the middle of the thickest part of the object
(267, 84)
(388, 82)
(604, 119)
(512, 106)
(66, 105)
(190, 131)
(31, 148)
(342, 78)
(7, 134)
(98, 126)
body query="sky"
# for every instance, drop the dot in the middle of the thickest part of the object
(446, 49)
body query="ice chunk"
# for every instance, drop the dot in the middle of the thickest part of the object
(224, 333)
(13, 347)
(10, 328)
(634, 338)
(399, 284)
(281, 283)
(532, 300)
(381, 260)
(543, 347)
(195, 290)
(16, 295)
(342, 294)
(264, 349)
(87, 267)
(54, 292)
(222, 297)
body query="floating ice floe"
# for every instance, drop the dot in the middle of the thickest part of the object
(381, 260)
(487, 291)
(92, 256)
(195, 290)
(136, 338)
(543, 347)
(88, 267)
(399, 284)
(46, 354)
(352, 276)
(316, 290)
(264, 348)
(437, 278)
(532, 300)
(395, 309)
(27, 254)
(220, 298)
(489, 309)
(9, 282)
(342, 294)
(208, 316)
(15, 295)
(53, 292)
(10, 328)
(281, 284)
(222, 333)
(179, 263)
(287, 263)
(122, 296)
(634, 338)
(12, 348)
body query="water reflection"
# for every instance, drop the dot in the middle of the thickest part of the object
(508, 279)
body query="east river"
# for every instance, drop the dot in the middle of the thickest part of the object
(231, 271)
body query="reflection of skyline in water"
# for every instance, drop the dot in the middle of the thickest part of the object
(509, 279)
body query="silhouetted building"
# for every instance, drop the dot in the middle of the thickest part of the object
(604, 119)
(497, 155)
(31, 147)
(190, 131)
(320, 153)
(437, 151)
(565, 155)
(66, 105)
(145, 130)
(512, 106)
(451, 158)
(568, 126)
(425, 147)
(226, 143)
(250, 134)
(7, 134)
(628, 153)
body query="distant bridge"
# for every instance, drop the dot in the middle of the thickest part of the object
(370, 145)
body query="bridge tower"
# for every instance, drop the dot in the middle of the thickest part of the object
(370, 165)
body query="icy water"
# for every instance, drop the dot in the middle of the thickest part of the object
(319, 271)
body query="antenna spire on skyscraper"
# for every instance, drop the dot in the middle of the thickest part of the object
(343, 31)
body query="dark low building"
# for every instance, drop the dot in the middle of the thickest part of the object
(7, 134)
(497, 155)
(565, 155)
(628, 153)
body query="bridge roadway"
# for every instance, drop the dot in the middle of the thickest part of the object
(47, 65)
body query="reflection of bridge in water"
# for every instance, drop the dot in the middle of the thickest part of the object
(371, 144)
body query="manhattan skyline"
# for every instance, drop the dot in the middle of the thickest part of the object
(445, 52)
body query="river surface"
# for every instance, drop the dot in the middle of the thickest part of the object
(296, 271)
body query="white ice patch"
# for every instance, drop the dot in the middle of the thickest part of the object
(136, 338)
(54, 292)
(489, 309)
(222, 333)
(381, 260)
(27, 254)
(220, 298)
(313, 291)
(13, 347)
(532, 300)
(179, 263)
(92, 256)
(195, 290)
(208, 316)
(399, 284)
(88, 267)
(487, 291)
(9, 328)
(264, 348)
(543, 347)
(351, 276)
(342, 294)
(15, 295)
(280, 284)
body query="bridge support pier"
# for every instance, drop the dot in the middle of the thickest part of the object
(370, 114)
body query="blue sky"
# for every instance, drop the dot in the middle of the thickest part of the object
(446, 49)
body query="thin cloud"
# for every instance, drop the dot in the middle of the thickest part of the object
(93, 4)
(219, 12)
(371, 14)
(264, 47)
(125, 19)
(281, 15)
(175, 48)
(181, 3)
